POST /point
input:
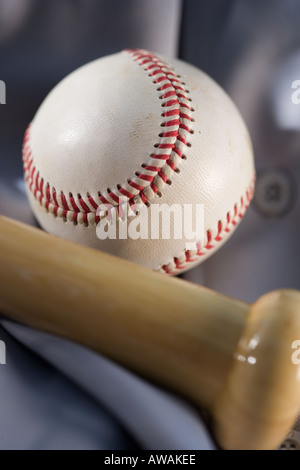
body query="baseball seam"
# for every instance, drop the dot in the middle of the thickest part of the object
(213, 236)
(153, 176)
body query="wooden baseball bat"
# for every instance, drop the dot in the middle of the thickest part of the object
(233, 358)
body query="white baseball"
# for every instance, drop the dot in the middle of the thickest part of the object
(153, 129)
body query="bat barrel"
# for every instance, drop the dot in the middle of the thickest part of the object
(175, 333)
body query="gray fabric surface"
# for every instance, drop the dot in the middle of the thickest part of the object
(154, 418)
(40, 408)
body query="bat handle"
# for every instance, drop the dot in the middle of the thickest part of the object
(260, 399)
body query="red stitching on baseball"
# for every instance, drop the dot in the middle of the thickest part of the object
(175, 266)
(161, 73)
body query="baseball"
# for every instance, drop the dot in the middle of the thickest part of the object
(141, 156)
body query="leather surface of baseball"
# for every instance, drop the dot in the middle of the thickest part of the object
(149, 130)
